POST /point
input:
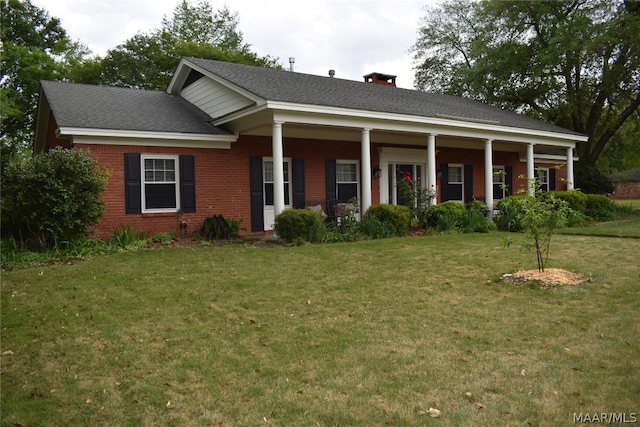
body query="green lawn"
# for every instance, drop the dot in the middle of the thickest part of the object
(625, 227)
(634, 203)
(361, 334)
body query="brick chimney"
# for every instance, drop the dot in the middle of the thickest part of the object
(380, 79)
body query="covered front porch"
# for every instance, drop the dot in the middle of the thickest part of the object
(371, 151)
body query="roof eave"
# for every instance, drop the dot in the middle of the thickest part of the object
(325, 115)
(115, 137)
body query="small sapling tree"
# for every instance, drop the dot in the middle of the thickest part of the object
(542, 213)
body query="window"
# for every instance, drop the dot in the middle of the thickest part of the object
(499, 180)
(455, 174)
(543, 179)
(268, 182)
(346, 180)
(455, 183)
(160, 186)
(159, 183)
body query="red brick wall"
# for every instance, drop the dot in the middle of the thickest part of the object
(222, 178)
(627, 190)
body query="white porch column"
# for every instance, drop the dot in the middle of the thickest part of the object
(365, 165)
(530, 170)
(488, 175)
(431, 163)
(570, 178)
(278, 173)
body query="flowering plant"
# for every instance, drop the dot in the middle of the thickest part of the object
(417, 198)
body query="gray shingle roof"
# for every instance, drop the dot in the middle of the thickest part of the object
(287, 86)
(101, 107)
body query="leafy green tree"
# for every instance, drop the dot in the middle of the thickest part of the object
(34, 47)
(148, 60)
(52, 197)
(573, 63)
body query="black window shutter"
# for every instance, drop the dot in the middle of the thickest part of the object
(132, 183)
(330, 179)
(468, 183)
(444, 182)
(257, 198)
(187, 184)
(508, 179)
(298, 183)
(552, 179)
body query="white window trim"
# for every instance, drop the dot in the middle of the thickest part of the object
(461, 182)
(543, 185)
(503, 178)
(457, 165)
(357, 181)
(264, 181)
(176, 160)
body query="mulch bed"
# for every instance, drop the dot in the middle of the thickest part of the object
(548, 278)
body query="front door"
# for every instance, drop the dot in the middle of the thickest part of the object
(400, 171)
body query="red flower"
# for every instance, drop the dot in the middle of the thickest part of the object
(407, 177)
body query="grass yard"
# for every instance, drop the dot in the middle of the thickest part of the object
(634, 203)
(625, 227)
(355, 334)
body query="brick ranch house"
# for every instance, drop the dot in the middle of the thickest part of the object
(248, 142)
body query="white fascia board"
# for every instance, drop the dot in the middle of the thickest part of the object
(119, 137)
(335, 116)
(244, 113)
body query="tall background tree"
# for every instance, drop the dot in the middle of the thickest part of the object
(34, 47)
(574, 63)
(147, 60)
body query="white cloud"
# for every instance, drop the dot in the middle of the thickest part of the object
(353, 37)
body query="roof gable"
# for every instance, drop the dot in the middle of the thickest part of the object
(272, 84)
(111, 108)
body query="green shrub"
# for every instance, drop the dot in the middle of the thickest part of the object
(590, 180)
(299, 226)
(576, 219)
(54, 196)
(446, 216)
(475, 221)
(396, 217)
(600, 207)
(576, 199)
(127, 237)
(218, 227)
(374, 228)
(163, 238)
(509, 216)
(478, 206)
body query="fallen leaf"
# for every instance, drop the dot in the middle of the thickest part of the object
(469, 396)
(433, 412)
(7, 353)
(456, 357)
(479, 405)
(523, 372)
(87, 401)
